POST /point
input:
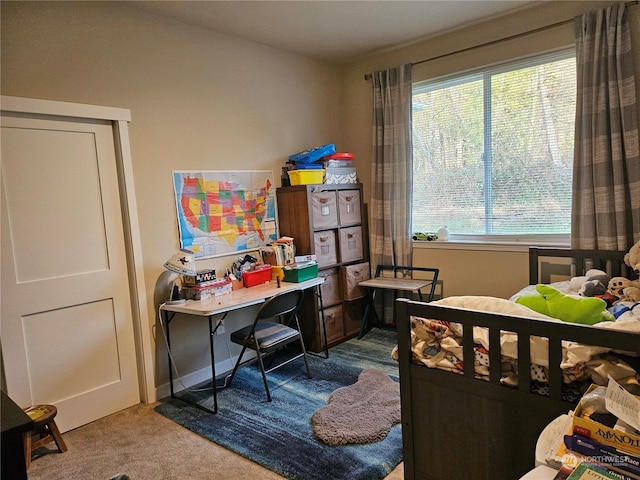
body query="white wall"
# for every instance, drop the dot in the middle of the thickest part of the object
(198, 100)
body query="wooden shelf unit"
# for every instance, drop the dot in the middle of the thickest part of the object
(328, 221)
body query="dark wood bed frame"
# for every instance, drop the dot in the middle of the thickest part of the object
(456, 427)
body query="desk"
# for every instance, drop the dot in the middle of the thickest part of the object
(397, 284)
(221, 305)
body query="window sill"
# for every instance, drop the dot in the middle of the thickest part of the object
(483, 246)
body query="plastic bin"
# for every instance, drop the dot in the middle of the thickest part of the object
(258, 276)
(297, 275)
(313, 154)
(306, 177)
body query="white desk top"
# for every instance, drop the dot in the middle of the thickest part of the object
(392, 283)
(244, 297)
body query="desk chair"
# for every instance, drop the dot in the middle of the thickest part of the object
(265, 337)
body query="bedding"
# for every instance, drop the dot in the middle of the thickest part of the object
(438, 344)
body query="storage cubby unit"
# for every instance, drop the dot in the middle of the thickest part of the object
(328, 221)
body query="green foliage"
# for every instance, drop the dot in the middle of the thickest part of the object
(528, 159)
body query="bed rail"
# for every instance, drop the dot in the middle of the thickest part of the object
(581, 261)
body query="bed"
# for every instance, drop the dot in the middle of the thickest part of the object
(464, 425)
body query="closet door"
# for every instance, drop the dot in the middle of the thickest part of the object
(67, 329)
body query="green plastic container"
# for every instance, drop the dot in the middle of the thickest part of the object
(297, 275)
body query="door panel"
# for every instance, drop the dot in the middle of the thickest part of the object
(66, 324)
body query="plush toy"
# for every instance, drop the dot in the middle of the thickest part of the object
(549, 301)
(625, 289)
(632, 258)
(593, 283)
(593, 288)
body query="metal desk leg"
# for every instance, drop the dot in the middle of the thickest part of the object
(184, 399)
(167, 319)
(213, 365)
(318, 292)
(370, 295)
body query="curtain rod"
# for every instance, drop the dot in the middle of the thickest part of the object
(368, 76)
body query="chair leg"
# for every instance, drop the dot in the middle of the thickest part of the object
(304, 350)
(264, 373)
(235, 367)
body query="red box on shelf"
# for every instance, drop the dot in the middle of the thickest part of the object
(262, 274)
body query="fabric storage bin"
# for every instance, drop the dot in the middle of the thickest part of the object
(334, 323)
(326, 247)
(352, 275)
(330, 289)
(349, 207)
(324, 210)
(352, 316)
(351, 249)
(340, 175)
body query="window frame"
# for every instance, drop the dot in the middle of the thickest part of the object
(559, 240)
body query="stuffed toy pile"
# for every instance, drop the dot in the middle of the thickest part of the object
(632, 258)
(623, 288)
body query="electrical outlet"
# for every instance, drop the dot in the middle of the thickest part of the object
(221, 330)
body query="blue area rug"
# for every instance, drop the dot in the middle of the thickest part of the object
(278, 435)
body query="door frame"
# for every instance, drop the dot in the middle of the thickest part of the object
(119, 118)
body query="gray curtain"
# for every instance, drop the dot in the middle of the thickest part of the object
(391, 171)
(606, 190)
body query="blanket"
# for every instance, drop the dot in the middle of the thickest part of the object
(438, 344)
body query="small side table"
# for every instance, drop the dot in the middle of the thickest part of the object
(395, 283)
(44, 430)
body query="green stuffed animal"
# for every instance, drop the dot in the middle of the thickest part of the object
(549, 301)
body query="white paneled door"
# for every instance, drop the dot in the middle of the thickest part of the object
(66, 324)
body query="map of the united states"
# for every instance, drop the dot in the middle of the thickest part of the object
(216, 210)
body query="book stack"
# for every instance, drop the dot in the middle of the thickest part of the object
(280, 253)
(201, 276)
(603, 439)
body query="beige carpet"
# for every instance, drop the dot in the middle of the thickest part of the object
(146, 446)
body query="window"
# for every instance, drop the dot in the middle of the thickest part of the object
(493, 150)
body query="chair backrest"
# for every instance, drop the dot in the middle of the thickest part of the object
(281, 304)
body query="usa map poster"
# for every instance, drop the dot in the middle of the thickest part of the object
(224, 212)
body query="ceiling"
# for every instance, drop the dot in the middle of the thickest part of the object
(335, 31)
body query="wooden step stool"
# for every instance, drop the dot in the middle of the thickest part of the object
(44, 431)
